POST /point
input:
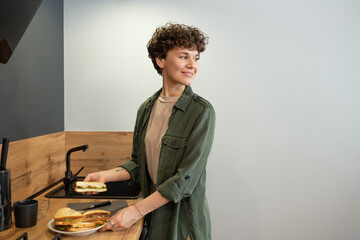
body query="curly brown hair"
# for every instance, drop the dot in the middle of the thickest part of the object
(173, 35)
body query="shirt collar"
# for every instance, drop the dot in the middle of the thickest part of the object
(185, 99)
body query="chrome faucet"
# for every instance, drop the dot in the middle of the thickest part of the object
(69, 178)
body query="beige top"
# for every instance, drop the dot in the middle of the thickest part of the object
(158, 124)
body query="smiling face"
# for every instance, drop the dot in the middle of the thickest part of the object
(179, 67)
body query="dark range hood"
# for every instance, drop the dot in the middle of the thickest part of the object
(15, 17)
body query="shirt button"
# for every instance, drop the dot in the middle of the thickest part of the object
(187, 177)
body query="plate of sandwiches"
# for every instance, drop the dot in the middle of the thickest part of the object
(68, 221)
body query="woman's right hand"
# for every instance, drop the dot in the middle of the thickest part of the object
(95, 177)
(112, 175)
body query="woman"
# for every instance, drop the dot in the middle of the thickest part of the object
(173, 135)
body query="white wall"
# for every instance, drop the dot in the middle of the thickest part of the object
(284, 79)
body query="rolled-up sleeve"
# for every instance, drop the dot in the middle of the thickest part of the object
(194, 159)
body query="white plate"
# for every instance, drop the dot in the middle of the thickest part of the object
(51, 226)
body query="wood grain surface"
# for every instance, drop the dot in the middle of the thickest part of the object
(35, 163)
(106, 150)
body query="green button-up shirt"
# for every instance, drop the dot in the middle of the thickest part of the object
(181, 175)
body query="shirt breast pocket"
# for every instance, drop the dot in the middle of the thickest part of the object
(171, 154)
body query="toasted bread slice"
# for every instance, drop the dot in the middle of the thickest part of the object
(96, 215)
(66, 216)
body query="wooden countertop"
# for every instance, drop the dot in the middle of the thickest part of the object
(47, 209)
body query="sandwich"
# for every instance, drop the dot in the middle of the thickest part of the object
(97, 216)
(90, 187)
(67, 219)
(64, 217)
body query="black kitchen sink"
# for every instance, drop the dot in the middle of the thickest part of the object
(115, 190)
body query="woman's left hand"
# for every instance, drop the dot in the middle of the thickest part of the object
(123, 219)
